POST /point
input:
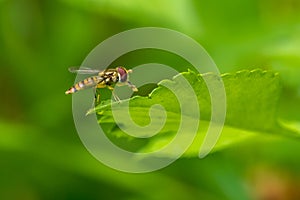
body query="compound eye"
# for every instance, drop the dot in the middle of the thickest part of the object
(122, 74)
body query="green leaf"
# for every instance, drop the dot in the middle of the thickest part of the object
(252, 100)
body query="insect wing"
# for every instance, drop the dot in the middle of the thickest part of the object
(84, 70)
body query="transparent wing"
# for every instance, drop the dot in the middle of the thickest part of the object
(84, 70)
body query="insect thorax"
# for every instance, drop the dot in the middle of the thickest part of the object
(109, 77)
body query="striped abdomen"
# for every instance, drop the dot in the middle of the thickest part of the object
(86, 83)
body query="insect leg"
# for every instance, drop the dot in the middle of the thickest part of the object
(132, 86)
(117, 99)
(97, 97)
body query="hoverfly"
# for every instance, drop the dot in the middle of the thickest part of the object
(103, 78)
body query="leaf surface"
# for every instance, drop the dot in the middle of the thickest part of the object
(252, 100)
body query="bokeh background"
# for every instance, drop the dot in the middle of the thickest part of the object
(41, 156)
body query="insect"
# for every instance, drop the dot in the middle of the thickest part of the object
(103, 78)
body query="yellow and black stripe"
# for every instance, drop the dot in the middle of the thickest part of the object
(86, 83)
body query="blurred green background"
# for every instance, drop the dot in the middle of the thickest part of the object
(41, 156)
